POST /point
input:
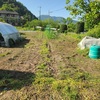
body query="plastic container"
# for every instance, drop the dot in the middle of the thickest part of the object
(94, 52)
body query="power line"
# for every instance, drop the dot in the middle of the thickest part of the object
(49, 12)
(57, 10)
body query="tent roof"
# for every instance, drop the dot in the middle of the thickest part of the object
(6, 28)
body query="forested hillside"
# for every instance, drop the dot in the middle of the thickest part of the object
(13, 5)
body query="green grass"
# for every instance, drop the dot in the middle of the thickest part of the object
(4, 54)
(77, 36)
(69, 83)
(14, 79)
(84, 52)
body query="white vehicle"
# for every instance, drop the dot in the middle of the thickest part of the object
(8, 35)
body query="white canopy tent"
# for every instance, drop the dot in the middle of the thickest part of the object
(9, 33)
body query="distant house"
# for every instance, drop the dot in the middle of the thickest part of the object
(10, 17)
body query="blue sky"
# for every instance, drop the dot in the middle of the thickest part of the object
(56, 7)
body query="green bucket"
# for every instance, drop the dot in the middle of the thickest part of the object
(94, 52)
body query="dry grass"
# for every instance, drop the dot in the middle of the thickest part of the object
(42, 69)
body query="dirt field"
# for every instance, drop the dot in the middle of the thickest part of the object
(41, 69)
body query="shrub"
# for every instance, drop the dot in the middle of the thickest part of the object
(63, 28)
(50, 34)
(95, 32)
(71, 27)
(2, 20)
(79, 27)
(42, 28)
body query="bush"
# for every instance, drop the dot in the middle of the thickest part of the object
(95, 32)
(50, 34)
(71, 27)
(42, 28)
(79, 27)
(63, 28)
(2, 20)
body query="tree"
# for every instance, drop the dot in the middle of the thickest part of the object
(8, 7)
(2, 20)
(52, 23)
(35, 23)
(13, 5)
(69, 20)
(89, 10)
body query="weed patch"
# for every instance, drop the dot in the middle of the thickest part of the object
(50, 35)
(4, 54)
(84, 52)
(14, 79)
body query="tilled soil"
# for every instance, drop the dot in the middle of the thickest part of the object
(20, 65)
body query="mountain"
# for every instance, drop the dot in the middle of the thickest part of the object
(44, 17)
(13, 5)
(60, 19)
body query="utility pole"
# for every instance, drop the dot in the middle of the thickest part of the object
(49, 12)
(40, 12)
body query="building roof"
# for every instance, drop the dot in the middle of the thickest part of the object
(8, 12)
